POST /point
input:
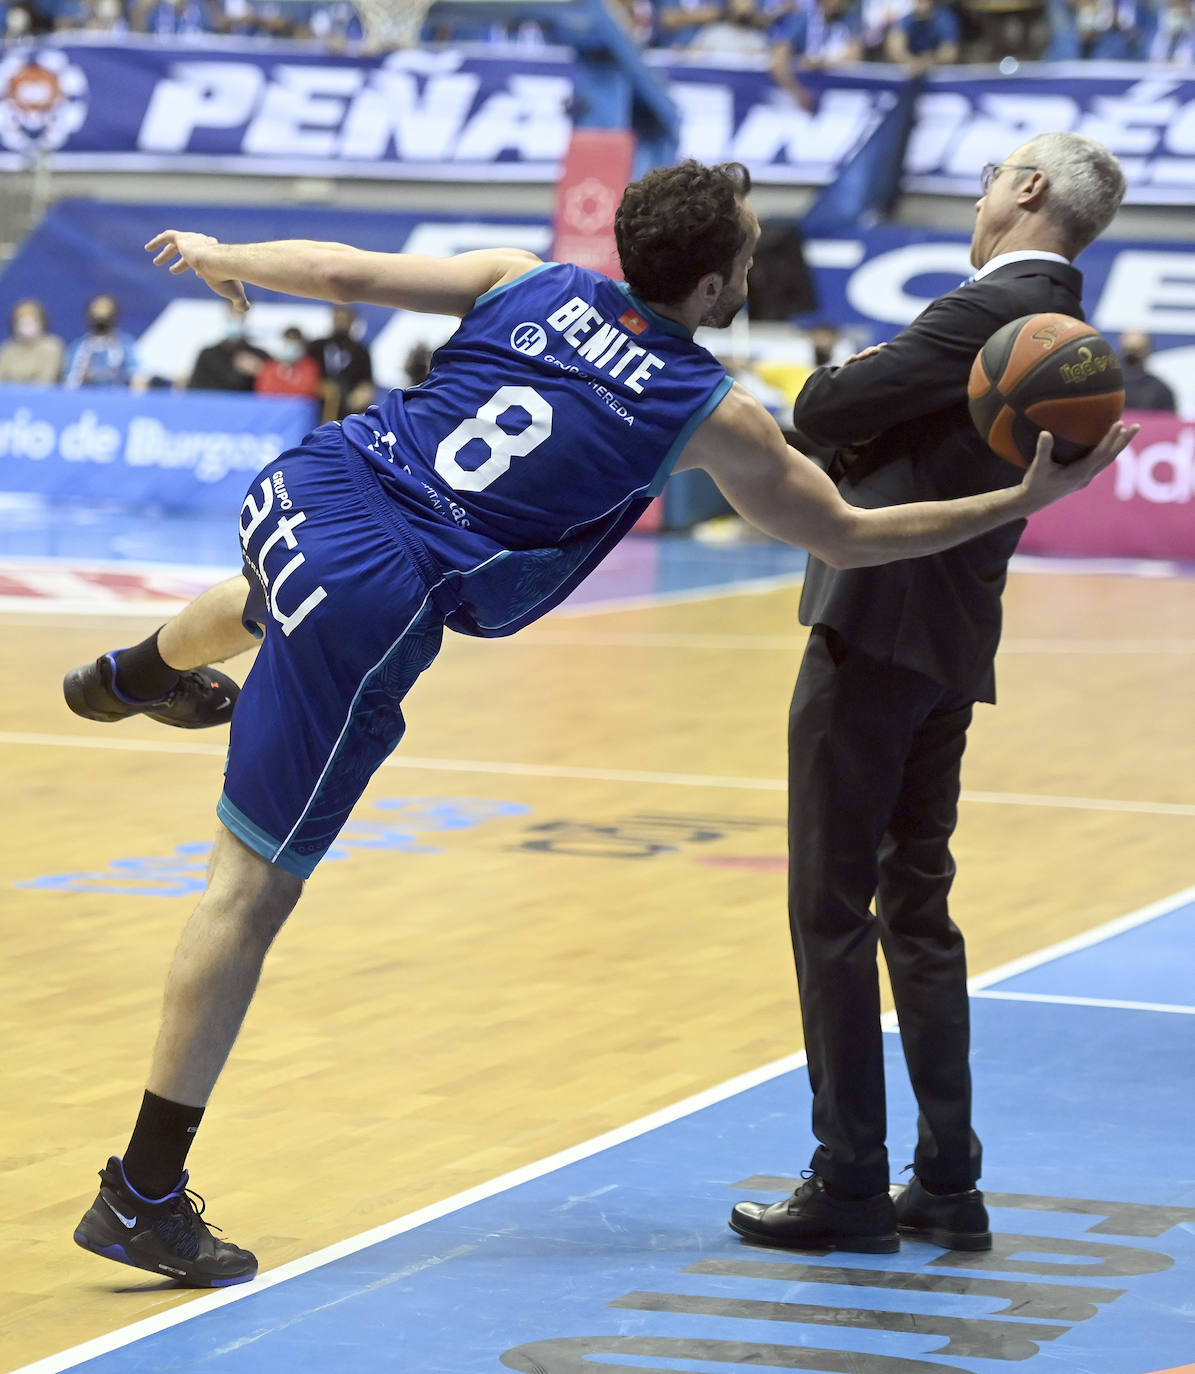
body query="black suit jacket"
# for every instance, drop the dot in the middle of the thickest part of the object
(939, 615)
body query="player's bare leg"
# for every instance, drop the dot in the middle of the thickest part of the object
(216, 967)
(208, 629)
(168, 676)
(144, 1214)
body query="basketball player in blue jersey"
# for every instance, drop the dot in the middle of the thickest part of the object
(476, 500)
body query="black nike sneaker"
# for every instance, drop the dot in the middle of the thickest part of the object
(201, 697)
(167, 1236)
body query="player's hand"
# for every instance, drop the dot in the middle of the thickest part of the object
(189, 253)
(1046, 481)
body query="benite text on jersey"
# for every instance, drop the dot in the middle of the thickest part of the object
(604, 344)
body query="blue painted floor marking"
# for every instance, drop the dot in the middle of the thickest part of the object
(1151, 963)
(597, 1259)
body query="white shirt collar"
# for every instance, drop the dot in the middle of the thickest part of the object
(1020, 255)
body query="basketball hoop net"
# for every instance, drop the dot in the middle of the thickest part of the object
(391, 24)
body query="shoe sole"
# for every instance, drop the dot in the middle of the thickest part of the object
(74, 689)
(165, 718)
(855, 1245)
(949, 1240)
(116, 1251)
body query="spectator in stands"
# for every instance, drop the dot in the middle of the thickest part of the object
(173, 18)
(418, 364)
(31, 355)
(255, 19)
(1174, 40)
(230, 365)
(16, 23)
(65, 15)
(679, 22)
(336, 25)
(105, 355)
(1142, 390)
(742, 28)
(108, 16)
(345, 365)
(1019, 29)
(825, 36)
(1096, 28)
(638, 17)
(877, 18)
(293, 373)
(926, 37)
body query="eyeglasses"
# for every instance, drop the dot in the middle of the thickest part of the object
(988, 175)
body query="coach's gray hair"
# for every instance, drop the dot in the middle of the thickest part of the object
(1085, 185)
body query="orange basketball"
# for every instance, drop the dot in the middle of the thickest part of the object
(1045, 372)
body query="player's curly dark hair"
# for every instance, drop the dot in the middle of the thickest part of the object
(678, 223)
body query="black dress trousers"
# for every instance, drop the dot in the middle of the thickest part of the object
(875, 752)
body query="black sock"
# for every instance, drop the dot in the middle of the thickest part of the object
(157, 1151)
(142, 673)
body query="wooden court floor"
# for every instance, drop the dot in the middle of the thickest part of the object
(562, 908)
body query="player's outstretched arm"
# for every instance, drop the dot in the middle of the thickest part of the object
(340, 273)
(788, 496)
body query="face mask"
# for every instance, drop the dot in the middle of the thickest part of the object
(1132, 358)
(234, 329)
(102, 324)
(27, 327)
(289, 351)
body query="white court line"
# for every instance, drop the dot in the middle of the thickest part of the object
(1077, 942)
(115, 1340)
(1097, 646)
(1065, 1001)
(213, 572)
(88, 609)
(794, 642)
(580, 774)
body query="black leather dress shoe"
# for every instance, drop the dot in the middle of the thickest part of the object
(813, 1220)
(956, 1221)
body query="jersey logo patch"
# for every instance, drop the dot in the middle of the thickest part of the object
(529, 337)
(632, 320)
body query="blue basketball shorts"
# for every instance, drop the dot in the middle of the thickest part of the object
(349, 622)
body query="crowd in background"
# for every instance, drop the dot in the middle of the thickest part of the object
(335, 371)
(791, 34)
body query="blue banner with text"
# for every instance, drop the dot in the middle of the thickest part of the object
(195, 452)
(448, 114)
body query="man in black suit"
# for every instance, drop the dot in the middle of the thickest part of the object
(897, 656)
(1142, 390)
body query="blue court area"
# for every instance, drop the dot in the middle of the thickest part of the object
(620, 1260)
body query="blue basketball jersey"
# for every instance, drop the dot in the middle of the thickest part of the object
(547, 423)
